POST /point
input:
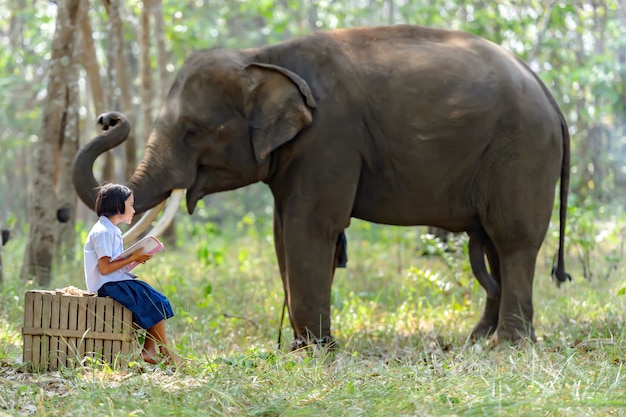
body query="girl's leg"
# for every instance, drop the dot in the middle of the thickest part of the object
(155, 339)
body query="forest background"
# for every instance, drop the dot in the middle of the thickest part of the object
(402, 309)
(64, 65)
(59, 73)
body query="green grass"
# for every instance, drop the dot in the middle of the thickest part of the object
(401, 319)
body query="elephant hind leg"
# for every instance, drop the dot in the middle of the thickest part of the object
(307, 343)
(341, 252)
(478, 241)
(489, 320)
(516, 307)
(517, 254)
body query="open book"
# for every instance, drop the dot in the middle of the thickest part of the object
(148, 244)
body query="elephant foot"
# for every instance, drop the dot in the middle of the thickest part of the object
(513, 335)
(301, 343)
(488, 323)
(482, 331)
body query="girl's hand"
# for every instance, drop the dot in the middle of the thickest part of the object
(140, 257)
(106, 266)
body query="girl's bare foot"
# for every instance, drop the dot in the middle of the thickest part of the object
(171, 357)
(151, 357)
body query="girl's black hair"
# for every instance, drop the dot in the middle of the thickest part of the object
(111, 199)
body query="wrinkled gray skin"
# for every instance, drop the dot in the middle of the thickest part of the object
(399, 125)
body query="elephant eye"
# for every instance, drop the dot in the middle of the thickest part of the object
(191, 131)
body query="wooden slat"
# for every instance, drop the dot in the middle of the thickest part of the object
(116, 346)
(107, 327)
(99, 326)
(55, 344)
(81, 323)
(64, 311)
(36, 357)
(129, 330)
(72, 324)
(46, 309)
(29, 305)
(78, 334)
(91, 325)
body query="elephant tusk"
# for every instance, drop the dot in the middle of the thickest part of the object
(168, 213)
(132, 234)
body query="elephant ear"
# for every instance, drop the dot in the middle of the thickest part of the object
(279, 105)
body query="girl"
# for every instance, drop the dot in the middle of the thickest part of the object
(115, 205)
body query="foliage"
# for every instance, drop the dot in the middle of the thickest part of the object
(578, 48)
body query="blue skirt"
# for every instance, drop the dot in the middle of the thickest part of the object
(147, 304)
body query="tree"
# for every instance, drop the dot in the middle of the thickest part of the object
(3, 239)
(43, 230)
(145, 66)
(123, 78)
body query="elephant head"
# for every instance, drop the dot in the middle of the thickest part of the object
(223, 117)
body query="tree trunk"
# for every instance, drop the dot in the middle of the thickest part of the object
(108, 171)
(598, 131)
(3, 239)
(620, 175)
(42, 214)
(100, 101)
(16, 29)
(542, 28)
(123, 79)
(92, 68)
(162, 55)
(146, 73)
(1, 273)
(65, 190)
(169, 235)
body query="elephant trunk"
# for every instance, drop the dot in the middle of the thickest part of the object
(115, 131)
(147, 188)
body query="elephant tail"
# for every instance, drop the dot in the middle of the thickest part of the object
(558, 272)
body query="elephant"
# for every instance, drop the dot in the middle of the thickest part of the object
(401, 125)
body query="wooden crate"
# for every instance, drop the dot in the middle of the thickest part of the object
(60, 330)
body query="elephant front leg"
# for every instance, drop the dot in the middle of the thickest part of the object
(309, 256)
(315, 199)
(280, 257)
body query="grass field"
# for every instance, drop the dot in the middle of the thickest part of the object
(402, 311)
